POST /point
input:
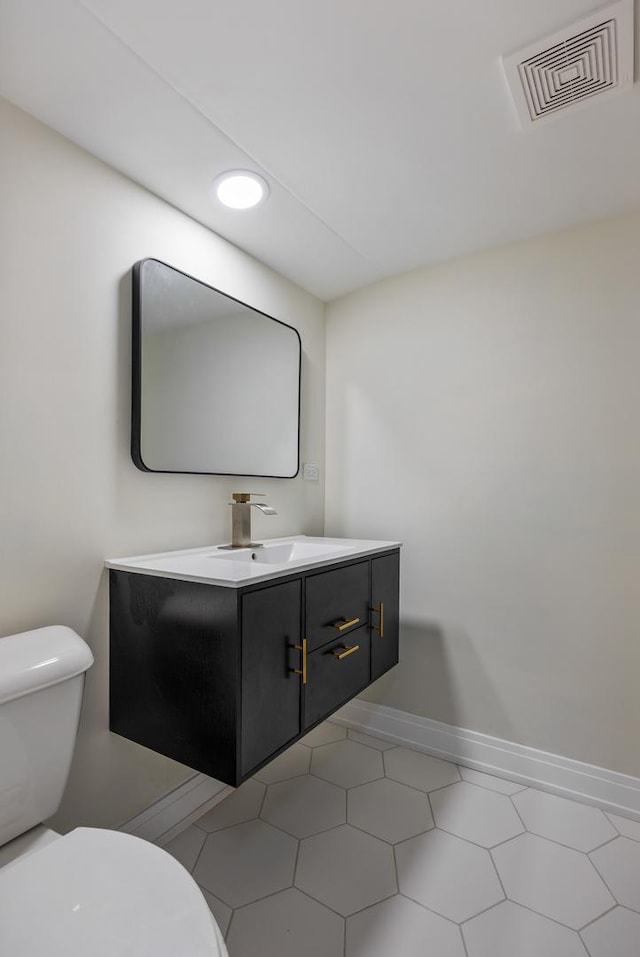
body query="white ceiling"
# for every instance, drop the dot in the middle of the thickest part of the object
(385, 129)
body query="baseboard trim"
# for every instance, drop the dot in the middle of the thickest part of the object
(175, 811)
(609, 790)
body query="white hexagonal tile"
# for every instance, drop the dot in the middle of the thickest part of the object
(325, 733)
(564, 821)
(243, 804)
(389, 810)
(245, 862)
(625, 826)
(346, 763)
(553, 880)
(288, 924)
(304, 806)
(475, 813)
(419, 770)
(447, 875)
(346, 869)
(501, 785)
(186, 846)
(401, 928)
(370, 740)
(619, 864)
(509, 930)
(292, 762)
(222, 913)
(617, 934)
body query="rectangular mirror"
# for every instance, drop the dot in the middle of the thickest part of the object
(216, 383)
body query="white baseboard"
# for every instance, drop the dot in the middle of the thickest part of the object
(174, 812)
(609, 790)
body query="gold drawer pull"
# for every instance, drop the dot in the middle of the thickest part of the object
(379, 611)
(348, 650)
(342, 624)
(302, 671)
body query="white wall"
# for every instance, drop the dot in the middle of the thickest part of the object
(69, 494)
(487, 413)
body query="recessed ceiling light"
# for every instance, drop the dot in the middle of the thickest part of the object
(240, 189)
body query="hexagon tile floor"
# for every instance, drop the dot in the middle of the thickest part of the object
(348, 846)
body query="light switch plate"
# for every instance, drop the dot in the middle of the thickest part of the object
(310, 473)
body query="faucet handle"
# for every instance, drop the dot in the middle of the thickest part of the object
(241, 498)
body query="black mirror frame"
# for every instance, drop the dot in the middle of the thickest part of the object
(136, 373)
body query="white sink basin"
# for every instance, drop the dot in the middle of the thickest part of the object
(236, 567)
(279, 553)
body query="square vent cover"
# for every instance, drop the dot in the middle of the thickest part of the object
(587, 60)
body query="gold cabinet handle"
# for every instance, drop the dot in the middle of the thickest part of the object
(379, 611)
(342, 623)
(302, 671)
(346, 651)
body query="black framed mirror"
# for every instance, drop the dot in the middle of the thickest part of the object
(216, 383)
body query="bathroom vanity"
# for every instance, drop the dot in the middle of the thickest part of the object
(220, 659)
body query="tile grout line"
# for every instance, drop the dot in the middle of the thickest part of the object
(497, 873)
(604, 844)
(513, 805)
(513, 837)
(553, 920)
(320, 903)
(483, 911)
(584, 944)
(600, 875)
(631, 820)
(599, 917)
(198, 856)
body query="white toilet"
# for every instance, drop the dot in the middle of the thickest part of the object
(91, 892)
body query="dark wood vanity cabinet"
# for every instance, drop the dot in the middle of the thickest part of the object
(222, 679)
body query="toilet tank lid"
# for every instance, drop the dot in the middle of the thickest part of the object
(36, 659)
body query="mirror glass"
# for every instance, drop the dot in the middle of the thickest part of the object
(216, 384)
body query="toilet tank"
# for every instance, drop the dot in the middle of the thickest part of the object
(41, 682)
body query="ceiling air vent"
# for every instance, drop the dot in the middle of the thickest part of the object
(591, 59)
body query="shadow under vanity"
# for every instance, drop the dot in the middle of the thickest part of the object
(221, 673)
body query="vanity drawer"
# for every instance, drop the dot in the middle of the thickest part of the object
(337, 603)
(335, 673)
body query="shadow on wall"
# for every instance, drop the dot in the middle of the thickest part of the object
(109, 772)
(437, 661)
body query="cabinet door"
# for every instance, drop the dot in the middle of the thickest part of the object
(385, 586)
(270, 690)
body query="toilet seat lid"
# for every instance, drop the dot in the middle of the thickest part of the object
(106, 894)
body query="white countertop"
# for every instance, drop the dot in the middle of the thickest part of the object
(216, 566)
